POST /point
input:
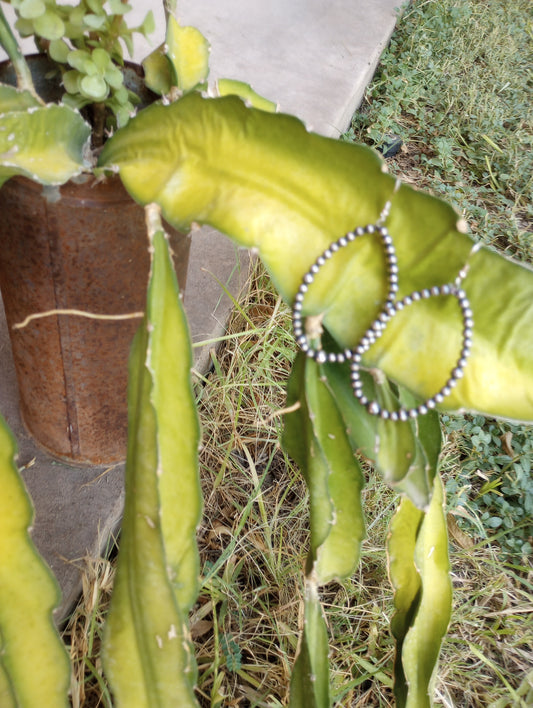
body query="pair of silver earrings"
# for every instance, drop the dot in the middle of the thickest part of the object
(390, 308)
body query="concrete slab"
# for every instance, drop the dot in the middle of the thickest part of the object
(315, 60)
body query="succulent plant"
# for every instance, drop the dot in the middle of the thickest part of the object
(87, 42)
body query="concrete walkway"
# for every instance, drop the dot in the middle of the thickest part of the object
(315, 59)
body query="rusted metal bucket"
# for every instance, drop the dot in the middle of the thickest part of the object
(82, 246)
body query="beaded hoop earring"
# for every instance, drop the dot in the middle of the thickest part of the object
(390, 308)
(457, 372)
(392, 277)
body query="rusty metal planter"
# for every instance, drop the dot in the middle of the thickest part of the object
(86, 250)
(82, 246)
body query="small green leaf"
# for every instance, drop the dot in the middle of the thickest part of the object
(59, 51)
(82, 61)
(114, 77)
(74, 27)
(94, 87)
(94, 22)
(95, 6)
(71, 81)
(122, 112)
(148, 26)
(24, 27)
(118, 7)
(49, 26)
(31, 9)
(102, 60)
(128, 41)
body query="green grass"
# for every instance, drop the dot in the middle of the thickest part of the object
(454, 84)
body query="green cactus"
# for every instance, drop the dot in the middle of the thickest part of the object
(147, 654)
(34, 667)
(271, 185)
(275, 187)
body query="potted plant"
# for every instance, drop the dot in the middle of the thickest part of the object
(74, 241)
(77, 243)
(76, 235)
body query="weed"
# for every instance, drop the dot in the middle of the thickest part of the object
(489, 486)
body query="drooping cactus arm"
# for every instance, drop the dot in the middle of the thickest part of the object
(34, 667)
(147, 656)
(419, 569)
(271, 185)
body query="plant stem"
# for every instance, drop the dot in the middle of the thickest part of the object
(98, 120)
(14, 52)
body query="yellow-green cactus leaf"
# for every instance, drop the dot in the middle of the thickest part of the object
(420, 573)
(315, 436)
(310, 676)
(157, 72)
(147, 656)
(13, 99)
(45, 144)
(300, 441)
(231, 87)
(34, 667)
(338, 555)
(270, 184)
(188, 51)
(404, 453)
(171, 362)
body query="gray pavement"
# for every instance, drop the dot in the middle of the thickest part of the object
(315, 59)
